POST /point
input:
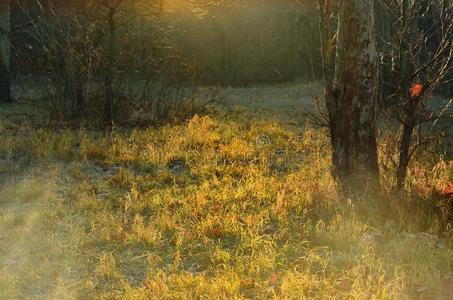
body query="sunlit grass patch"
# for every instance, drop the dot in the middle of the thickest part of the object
(212, 208)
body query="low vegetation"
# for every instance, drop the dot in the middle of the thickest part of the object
(229, 205)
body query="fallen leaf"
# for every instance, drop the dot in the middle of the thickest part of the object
(273, 278)
(343, 284)
(448, 191)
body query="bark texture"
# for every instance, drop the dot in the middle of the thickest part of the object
(352, 103)
(5, 52)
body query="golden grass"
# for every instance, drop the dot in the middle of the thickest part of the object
(227, 208)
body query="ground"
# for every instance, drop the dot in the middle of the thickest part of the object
(236, 204)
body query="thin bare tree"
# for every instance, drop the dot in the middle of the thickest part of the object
(419, 52)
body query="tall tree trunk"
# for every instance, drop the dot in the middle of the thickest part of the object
(109, 76)
(327, 11)
(5, 51)
(383, 21)
(352, 107)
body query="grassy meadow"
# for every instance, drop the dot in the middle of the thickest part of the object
(230, 205)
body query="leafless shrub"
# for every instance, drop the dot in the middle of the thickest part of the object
(93, 52)
(155, 102)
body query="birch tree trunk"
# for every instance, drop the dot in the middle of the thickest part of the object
(352, 108)
(5, 52)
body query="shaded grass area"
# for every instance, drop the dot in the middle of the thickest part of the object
(226, 206)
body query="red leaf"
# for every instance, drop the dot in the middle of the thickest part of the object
(448, 191)
(415, 90)
(273, 278)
